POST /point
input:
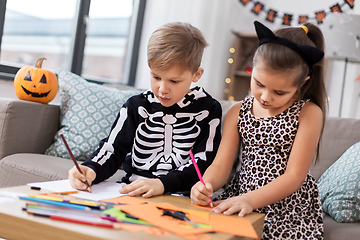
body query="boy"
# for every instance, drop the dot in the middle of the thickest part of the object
(161, 125)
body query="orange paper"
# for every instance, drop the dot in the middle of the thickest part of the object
(202, 207)
(154, 231)
(198, 237)
(125, 200)
(193, 215)
(204, 215)
(233, 226)
(151, 214)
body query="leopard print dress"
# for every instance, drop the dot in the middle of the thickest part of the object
(266, 146)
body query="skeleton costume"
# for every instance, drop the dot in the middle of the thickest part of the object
(153, 141)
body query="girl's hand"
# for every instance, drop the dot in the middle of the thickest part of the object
(232, 205)
(200, 194)
(77, 180)
(144, 187)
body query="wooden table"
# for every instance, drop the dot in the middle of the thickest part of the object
(17, 224)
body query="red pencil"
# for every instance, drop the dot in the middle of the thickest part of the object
(107, 225)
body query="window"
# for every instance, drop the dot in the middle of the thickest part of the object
(35, 29)
(107, 38)
(87, 37)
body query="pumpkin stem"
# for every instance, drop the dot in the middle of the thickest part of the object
(39, 62)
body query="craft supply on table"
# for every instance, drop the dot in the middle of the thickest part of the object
(164, 216)
(88, 186)
(199, 173)
(179, 215)
(100, 191)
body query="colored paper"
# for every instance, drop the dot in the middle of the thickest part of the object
(202, 207)
(119, 215)
(125, 200)
(100, 191)
(233, 225)
(204, 215)
(153, 231)
(193, 215)
(151, 213)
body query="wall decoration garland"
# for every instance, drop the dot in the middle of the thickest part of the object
(287, 18)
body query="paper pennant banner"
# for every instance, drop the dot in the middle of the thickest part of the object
(272, 14)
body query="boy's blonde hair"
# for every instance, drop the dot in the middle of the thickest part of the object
(176, 44)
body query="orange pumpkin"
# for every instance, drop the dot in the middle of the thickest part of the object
(35, 84)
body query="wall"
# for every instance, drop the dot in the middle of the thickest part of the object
(213, 20)
(216, 19)
(343, 56)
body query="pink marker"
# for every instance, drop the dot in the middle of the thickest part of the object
(198, 173)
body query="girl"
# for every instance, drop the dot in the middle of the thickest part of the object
(279, 128)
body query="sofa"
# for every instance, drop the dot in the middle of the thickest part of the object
(27, 129)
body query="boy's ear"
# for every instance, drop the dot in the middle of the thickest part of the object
(198, 74)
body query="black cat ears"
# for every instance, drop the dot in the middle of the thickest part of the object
(310, 54)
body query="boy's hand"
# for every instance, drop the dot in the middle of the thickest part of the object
(144, 187)
(234, 204)
(77, 180)
(200, 194)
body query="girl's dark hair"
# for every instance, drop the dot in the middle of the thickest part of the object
(278, 58)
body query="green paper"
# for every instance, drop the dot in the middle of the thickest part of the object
(118, 214)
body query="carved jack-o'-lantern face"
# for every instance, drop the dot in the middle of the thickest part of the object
(36, 84)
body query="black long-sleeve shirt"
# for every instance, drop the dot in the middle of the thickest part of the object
(153, 141)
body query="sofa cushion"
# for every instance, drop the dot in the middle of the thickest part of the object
(22, 168)
(339, 187)
(26, 126)
(339, 134)
(335, 231)
(87, 112)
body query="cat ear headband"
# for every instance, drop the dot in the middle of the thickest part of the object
(310, 54)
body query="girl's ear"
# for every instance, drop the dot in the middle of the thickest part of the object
(306, 79)
(197, 75)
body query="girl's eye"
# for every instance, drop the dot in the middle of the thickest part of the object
(279, 93)
(259, 84)
(157, 78)
(173, 81)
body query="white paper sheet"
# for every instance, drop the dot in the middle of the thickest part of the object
(6, 196)
(100, 191)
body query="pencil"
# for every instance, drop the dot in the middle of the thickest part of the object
(74, 160)
(63, 193)
(46, 197)
(101, 221)
(108, 225)
(57, 203)
(72, 201)
(199, 173)
(54, 208)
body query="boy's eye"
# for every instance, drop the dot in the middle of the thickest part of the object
(156, 77)
(174, 81)
(279, 93)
